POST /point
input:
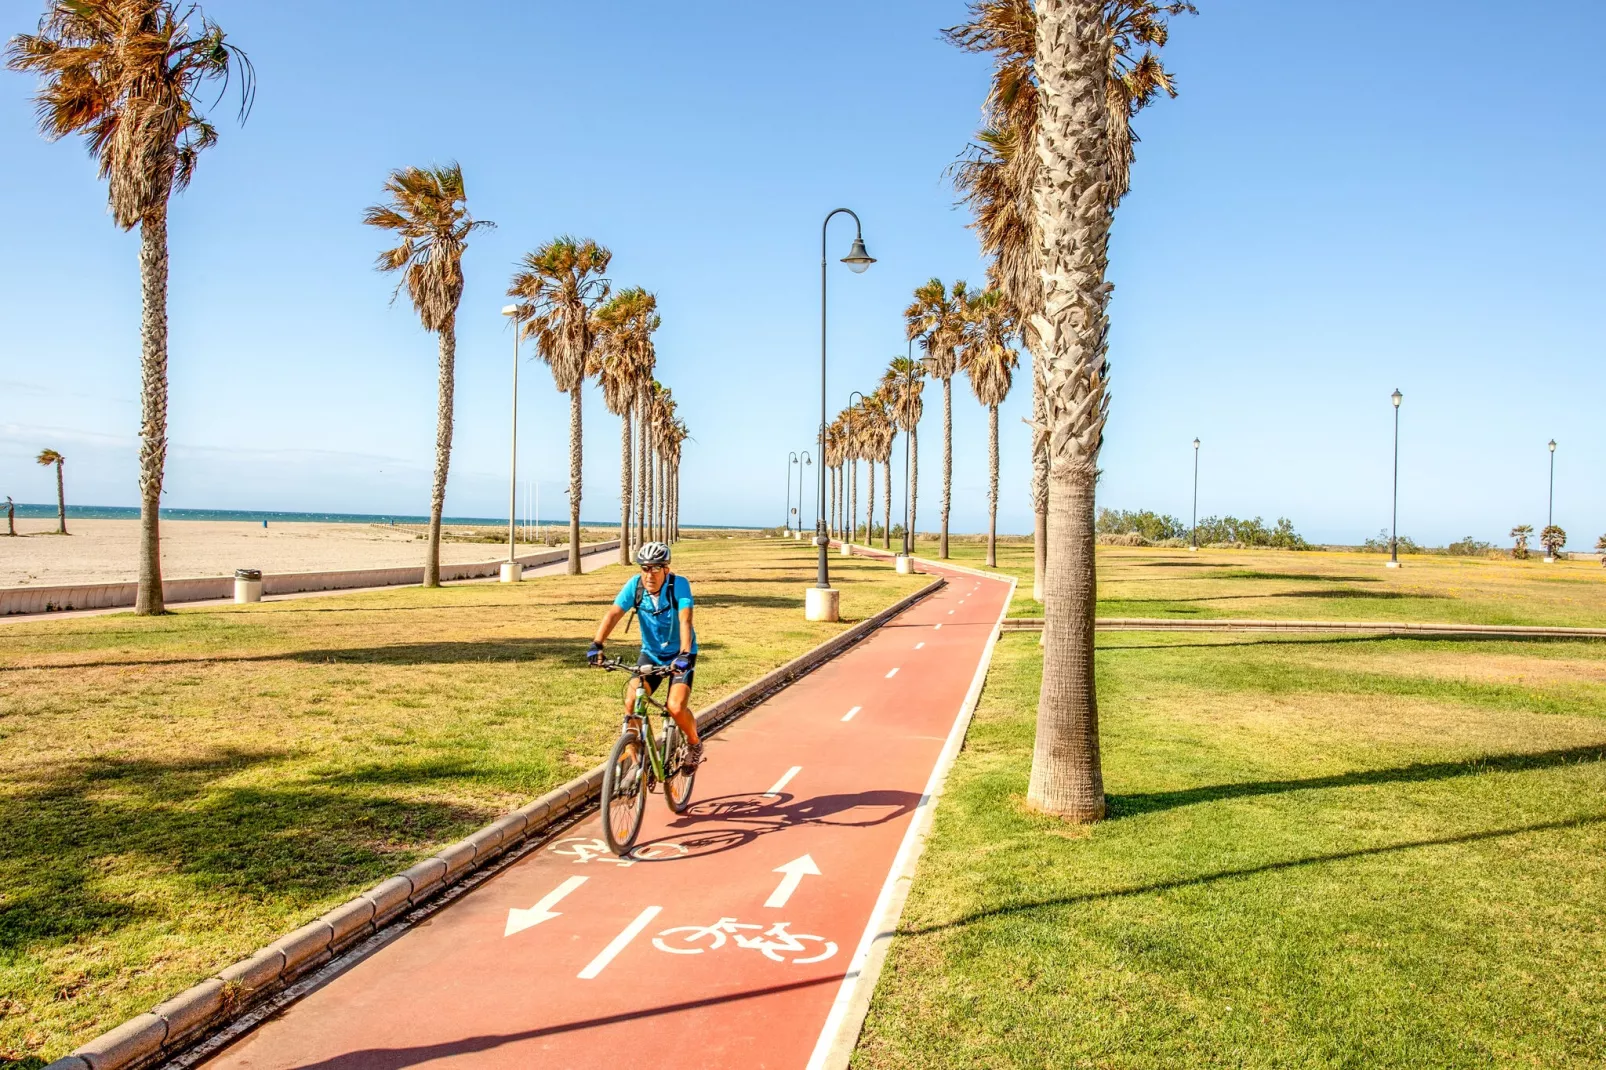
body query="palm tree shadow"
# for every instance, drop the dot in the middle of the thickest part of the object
(1251, 871)
(1121, 806)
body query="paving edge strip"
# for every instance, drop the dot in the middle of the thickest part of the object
(248, 991)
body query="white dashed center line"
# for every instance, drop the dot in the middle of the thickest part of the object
(620, 942)
(849, 715)
(950, 612)
(919, 645)
(936, 626)
(775, 789)
(891, 674)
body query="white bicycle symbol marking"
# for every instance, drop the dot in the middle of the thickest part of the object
(776, 943)
(584, 849)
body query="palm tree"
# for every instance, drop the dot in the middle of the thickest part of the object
(1089, 88)
(127, 74)
(427, 211)
(1001, 172)
(1520, 534)
(559, 287)
(987, 357)
(1553, 538)
(937, 317)
(903, 384)
(878, 444)
(49, 457)
(622, 359)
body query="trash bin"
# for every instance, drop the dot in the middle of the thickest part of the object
(247, 585)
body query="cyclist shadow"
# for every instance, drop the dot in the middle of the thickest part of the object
(727, 822)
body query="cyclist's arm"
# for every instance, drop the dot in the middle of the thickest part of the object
(610, 619)
(686, 633)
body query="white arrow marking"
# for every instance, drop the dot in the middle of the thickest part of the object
(795, 871)
(620, 942)
(786, 778)
(518, 920)
(849, 715)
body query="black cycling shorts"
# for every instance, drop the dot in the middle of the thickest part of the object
(651, 682)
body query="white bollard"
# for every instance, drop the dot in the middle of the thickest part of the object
(247, 585)
(906, 564)
(822, 603)
(847, 550)
(512, 572)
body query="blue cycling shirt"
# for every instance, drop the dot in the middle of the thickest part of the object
(659, 616)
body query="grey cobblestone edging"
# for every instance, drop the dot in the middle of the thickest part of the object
(1359, 627)
(169, 1027)
(29, 600)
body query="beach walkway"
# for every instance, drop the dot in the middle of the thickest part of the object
(735, 935)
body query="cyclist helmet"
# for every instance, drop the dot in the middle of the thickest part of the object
(653, 553)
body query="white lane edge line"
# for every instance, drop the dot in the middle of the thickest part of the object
(892, 673)
(620, 942)
(849, 715)
(786, 778)
(846, 1018)
(920, 644)
(937, 627)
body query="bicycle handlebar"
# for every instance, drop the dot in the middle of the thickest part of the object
(615, 665)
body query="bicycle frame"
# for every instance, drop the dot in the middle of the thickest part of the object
(655, 753)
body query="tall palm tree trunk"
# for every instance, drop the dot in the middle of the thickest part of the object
(886, 503)
(153, 407)
(992, 486)
(1071, 202)
(625, 447)
(443, 449)
(575, 458)
(853, 499)
(648, 533)
(663, 496)
(869, 503)
(947, 463)
(1039, 480)
(643, 422)
(61, 501)
(914, 485)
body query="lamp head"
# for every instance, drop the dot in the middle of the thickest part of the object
(1195, 443)
(1396, 397)
(858, 259)
(510, 310)
(1552, 445)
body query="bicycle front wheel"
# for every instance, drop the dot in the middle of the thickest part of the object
(677, 782)
(624, 794)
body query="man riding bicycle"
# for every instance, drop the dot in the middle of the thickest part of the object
(662, 603)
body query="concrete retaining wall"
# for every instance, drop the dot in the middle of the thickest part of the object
(170, 1027)
(211, 588)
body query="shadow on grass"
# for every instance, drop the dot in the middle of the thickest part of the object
(1381, 596)
(1153, 802)
(1253, 871)
(441, 653)
(66, 832)
(1252, 574)
(1333, 640)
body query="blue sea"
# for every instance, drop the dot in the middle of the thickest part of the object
(124, 512)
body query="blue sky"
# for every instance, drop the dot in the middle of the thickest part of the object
(1332, 209)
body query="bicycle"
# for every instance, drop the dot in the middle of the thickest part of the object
(626, 778)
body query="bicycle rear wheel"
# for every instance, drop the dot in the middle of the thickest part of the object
(677, 782)
(624, 794)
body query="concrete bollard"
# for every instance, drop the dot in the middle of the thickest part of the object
(512, 572)
(847, 550)
(822, 603)
(906, 564)
(247, 585)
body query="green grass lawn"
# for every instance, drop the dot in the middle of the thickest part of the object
(177, 791)
(1323, 852)
(1316, 585)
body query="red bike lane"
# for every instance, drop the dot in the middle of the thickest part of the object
(734, 934)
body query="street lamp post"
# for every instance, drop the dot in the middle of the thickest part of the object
(512, 571)
(1550, 508)
(791, 459)
(1193, 527)
(826, 604)
(1394, 519)
(805, 461)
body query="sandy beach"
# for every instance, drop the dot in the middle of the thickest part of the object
(104, 551)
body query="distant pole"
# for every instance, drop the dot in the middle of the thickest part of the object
(1193, 526)
(1550, 510)
(791, 459)
(803, 460)
(512, 311)
(1394, 520)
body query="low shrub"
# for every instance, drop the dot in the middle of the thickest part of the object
(1129, 538)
